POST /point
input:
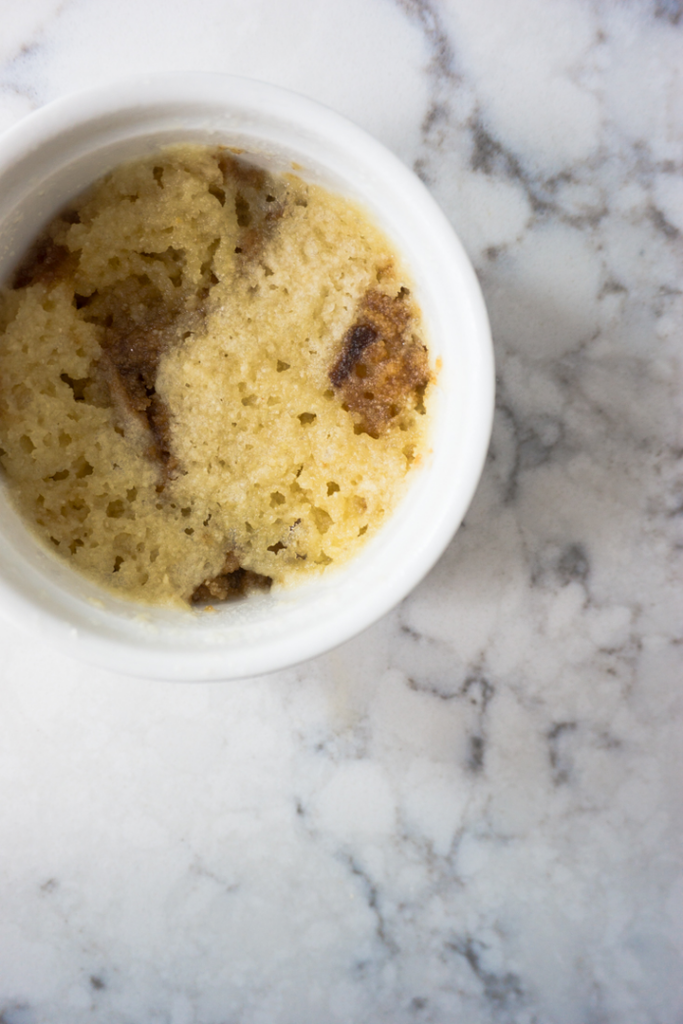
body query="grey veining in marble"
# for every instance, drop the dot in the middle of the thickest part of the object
(473, 812)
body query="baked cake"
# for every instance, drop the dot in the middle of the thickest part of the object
(212, 379)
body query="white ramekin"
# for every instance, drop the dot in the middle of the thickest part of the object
(54, 154)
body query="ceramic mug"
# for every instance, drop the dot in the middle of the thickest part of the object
(53, 155)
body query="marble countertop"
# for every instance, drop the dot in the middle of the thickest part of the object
(472, 813)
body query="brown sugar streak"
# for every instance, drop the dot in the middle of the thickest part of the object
(44, 263)
(129, 364)
(233, 581)
(382, 369)
(259, 203)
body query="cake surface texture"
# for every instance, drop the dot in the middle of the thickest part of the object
(212, 379)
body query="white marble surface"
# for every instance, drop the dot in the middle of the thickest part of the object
(473, 812)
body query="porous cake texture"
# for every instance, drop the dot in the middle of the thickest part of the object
(211, 379)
